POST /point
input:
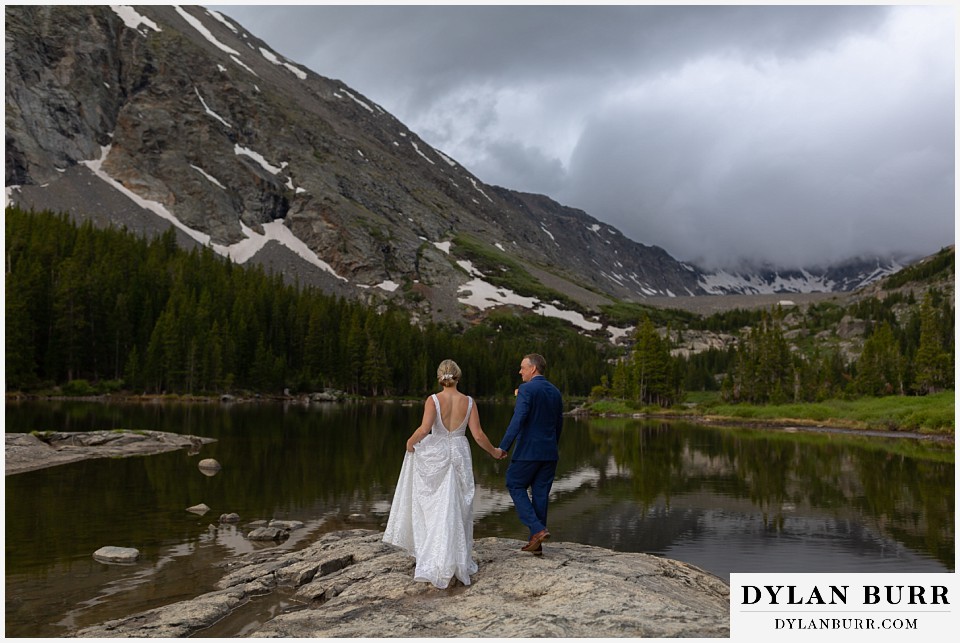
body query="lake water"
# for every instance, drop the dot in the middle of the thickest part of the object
(724, 499)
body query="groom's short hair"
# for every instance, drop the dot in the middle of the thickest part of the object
(537, 361)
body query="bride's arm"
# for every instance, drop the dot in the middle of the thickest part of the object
(480, 436)
(429, 413)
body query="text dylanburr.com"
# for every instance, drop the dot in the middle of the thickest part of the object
(846, 607)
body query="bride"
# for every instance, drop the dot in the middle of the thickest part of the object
(432, 511)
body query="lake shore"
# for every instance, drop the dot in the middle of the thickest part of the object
(351, 584)
(783, 424)
(26, 454)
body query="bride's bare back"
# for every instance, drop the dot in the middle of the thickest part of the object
(454, 406)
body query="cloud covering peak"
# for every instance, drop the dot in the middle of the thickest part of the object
(795, 135)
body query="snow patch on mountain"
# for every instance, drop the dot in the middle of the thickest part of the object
(482, 295)
(272, 57)
(203, 31)
(767, 281)
(133, 19)
(239, 252)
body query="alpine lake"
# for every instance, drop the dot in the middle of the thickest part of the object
(726, 499)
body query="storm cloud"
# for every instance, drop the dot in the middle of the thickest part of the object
(799, 136)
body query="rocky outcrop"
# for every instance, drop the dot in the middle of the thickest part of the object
(351, 584)
(31, 451)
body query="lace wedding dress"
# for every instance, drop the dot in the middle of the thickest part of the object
(432, 512)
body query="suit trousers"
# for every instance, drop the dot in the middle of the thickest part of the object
(537, 476)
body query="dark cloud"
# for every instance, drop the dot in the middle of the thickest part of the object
(798, 135)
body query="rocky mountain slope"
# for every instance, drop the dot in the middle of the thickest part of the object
(160, 115)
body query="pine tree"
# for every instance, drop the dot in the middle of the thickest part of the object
(880, 368)
(931, 360)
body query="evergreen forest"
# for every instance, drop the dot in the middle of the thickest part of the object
(908, 348)
(92, 310)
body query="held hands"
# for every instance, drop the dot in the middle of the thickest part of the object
(499, 454)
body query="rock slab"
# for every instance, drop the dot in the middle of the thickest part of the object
(351, 584)
(112, 554)
(30, 451)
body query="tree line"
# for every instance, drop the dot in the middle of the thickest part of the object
(91, 309)
(99, 310)
(909, 353)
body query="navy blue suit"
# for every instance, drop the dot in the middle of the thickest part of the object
(536, 426)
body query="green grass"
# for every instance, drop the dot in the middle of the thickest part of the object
(930, 413)
(702, 398)
(927, 414)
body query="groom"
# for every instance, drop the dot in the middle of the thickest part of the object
(536, 425)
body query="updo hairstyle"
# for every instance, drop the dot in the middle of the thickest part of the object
(448, 373)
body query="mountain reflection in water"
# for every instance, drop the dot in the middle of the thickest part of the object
(724, 499)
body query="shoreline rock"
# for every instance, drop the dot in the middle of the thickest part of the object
(29, 452)
(351, 584)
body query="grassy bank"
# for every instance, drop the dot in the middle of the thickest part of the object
(927, 414)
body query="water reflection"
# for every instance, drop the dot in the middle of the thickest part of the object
(723, 499)
(789, 483)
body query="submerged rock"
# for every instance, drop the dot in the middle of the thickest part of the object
(351, 584)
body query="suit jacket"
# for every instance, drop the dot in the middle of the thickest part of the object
(537, 422)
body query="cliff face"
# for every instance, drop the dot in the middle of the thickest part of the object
(155, 115)
(350, 584)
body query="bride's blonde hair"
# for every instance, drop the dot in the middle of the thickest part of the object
(448, 373)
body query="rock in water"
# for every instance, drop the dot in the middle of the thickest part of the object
(209, 467)
(268, 533)
(289, 525)
(199, 509)
(109, 554)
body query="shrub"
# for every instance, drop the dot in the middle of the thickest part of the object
(78, 388)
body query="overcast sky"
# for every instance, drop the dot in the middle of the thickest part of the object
(796, 135)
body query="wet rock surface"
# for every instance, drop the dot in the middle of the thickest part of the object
(32, 451)
(351, 584)
(112, 554)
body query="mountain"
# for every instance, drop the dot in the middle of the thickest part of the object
(846, 276)
(154, 116)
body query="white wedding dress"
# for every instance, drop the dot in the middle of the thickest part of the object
(432, 511)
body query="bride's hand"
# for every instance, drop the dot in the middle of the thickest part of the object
(410, 446)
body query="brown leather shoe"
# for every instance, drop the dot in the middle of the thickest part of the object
(535, 540)
(538, 551)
